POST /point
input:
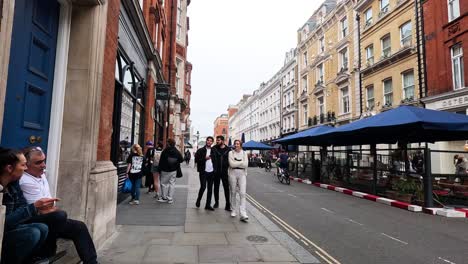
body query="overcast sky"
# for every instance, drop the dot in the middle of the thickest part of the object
(236, 45)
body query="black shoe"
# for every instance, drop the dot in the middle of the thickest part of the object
(216, 205)
(209, 208)
(227, 208)
(197, 204)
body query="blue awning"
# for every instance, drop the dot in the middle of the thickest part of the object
(305, 137)
(251, 145)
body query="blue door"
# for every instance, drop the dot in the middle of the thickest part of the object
(31, 74)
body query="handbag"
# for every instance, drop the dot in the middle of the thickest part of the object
(179, 173)
(127, 186)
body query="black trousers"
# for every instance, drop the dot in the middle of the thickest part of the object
(218, 177)
(62, 227)
(206, 180)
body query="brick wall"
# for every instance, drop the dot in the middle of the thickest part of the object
(108, 81)
(440, 36)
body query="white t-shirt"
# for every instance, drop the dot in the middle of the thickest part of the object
(209, 163)
(34, 188)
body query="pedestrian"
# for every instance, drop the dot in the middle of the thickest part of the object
(35, 186)
(206, 174)
(187, 156)
(21, 240)
(135, 172)
(238, 163)
(169, 163)
(155, 169)
(148, 166)
(220, 155)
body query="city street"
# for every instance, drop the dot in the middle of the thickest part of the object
(352, 230)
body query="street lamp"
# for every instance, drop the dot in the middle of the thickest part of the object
(198, 136)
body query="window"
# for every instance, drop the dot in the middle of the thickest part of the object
(320, 106)
(344, 59)
(388, 92)
(370, 97)
(384, 5)
(304, 83)
(179, 82)
(344, 27)
(320, 73)
(370, 55)
(386, 46)
(453, 9)
(345, 100)
(321, 44)
(457, 67)
(304, 107)
(179, 20)
(305, 59)
(405, 34)
(368, 17)
(408, 85)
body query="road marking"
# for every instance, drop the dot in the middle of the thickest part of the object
(305, 243)
(352, 221)
(396, 239)
(292, 195)
(294, 231)
(448, 261)
(324, 258)
(326, 210)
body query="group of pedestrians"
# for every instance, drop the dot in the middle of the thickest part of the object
(33, 222)
(219, 164)
(162, 167)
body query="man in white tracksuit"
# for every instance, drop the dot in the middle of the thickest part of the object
(238, 163)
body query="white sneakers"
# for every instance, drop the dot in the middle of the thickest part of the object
(161, 200)
(244, 218)
(233, 214)
(134, 202)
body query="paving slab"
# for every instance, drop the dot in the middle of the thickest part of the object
(171, 254)
(274, 253)
(218, 254)
(209, 228)
(196, 239)
(236, 238)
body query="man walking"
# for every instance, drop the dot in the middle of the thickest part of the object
(206, 172)
(221, 164)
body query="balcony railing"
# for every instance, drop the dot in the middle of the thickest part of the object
(383, 11)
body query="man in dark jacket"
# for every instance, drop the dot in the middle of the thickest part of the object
(221, 164)
(168, 166)
(206, 172)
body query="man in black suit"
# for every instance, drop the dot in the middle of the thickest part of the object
(206, 172)
(221, 164)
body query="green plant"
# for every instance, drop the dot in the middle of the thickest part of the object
(408, 187)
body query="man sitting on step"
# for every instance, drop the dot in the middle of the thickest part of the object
(35, 186)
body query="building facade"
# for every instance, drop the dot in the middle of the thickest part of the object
(289, 94)
(389, 54)
(245, 122)
(221, 126)
(269, 109)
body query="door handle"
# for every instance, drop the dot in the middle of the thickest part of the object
(32, 139)
(39, 139)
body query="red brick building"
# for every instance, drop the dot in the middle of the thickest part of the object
(446, 41)
(221, 126)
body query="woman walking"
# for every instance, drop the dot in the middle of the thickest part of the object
(238, 163)
(168, 166)
(135, 172)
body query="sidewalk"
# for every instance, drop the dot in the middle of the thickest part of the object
(182, 233)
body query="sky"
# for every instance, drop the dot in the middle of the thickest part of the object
(236, 45)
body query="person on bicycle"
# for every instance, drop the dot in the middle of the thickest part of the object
(283, 161)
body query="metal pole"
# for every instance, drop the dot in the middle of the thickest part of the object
(427, 180)
(374, 169)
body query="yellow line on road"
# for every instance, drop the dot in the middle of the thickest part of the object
(293, 231)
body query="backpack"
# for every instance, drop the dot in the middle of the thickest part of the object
(156, 157)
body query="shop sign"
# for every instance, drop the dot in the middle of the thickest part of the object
(453, 102)
(162, 91)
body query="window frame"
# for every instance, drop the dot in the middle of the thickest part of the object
(343, 104)
(368, 21)
(369, 87)
(368, 58)
(459, 58)
(405, 88)
(386, 52)
(385, 94)
(405, 40)
(344, 27)
(450, 10)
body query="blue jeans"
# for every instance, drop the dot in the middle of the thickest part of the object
(21, 243)
(136, 184)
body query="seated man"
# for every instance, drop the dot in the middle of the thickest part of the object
(35, 186)
(22, 239)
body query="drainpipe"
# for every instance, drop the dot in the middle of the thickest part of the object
(170, 70)
(358, 20)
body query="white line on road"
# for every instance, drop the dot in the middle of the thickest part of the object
(355, 222)
(293, 231)
(326, 210)
(324, 258)
(305, 243)
(448, 261)
(292, 195)
(396, 239)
